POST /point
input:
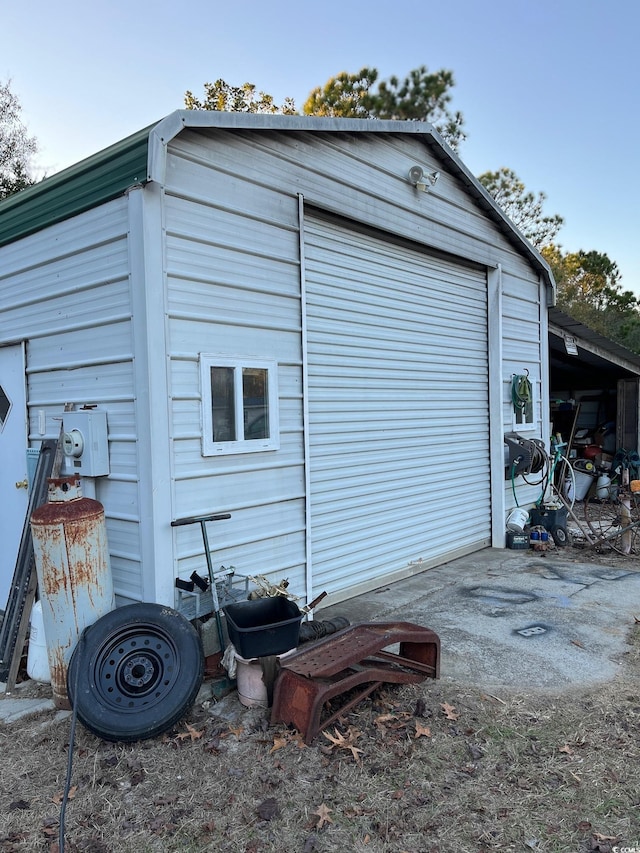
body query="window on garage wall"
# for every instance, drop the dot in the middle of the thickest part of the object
(239, 405)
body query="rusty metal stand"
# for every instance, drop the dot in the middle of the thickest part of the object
(355, 656)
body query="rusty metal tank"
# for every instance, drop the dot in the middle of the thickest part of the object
(74, 572)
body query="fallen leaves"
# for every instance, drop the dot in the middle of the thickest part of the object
(346, 742)
(449, 711)
(236, 730)
(190, 734)
(526, 771)
(59, 797)
(283, 739)
(278, 743)
(323, 813)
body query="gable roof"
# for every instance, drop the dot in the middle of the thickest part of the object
(141, 157)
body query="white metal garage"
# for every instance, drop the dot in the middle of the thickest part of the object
(387, 321)
(398, 404)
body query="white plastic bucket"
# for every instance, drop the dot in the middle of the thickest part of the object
(518, 519)
(583, 484)
(37, 657)
(251, 687)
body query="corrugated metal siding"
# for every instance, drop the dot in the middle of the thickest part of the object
(398, 405)
(522, 352)
(234, 288)
(66, 292)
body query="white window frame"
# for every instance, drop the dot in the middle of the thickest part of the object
(528, 424)
(238, 363)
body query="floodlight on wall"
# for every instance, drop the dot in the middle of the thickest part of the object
(422, 180)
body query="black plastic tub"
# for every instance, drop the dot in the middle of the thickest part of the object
(266, 626)
(550, 519)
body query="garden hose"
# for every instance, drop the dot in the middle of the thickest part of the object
(521, 392)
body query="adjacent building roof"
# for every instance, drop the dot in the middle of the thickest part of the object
(87, 184)
(141, 158)
(601, 355)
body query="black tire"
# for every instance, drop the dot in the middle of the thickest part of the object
(561, 537)
(135, 672)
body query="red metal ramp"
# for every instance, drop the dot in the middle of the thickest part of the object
(357, 655)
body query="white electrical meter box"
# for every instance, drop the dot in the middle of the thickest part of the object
(84, 443)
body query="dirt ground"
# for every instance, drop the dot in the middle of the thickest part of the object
(437, 767)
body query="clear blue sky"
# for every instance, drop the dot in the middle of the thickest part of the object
(548, 88)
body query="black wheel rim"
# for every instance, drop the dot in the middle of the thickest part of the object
(136, 668)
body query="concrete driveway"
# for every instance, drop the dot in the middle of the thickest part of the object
(516, 618)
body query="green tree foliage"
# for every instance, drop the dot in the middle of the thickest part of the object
(244, 99)
(421, 96)
(16, 146)
(588, 282)
(589, 290)
(523, 207)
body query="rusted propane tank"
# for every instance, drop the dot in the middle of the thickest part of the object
(74, 572)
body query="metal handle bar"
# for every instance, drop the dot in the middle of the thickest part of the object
(199, 518)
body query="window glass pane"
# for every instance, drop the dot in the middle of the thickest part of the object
(223, 404)
(255, 402)
(5, 405)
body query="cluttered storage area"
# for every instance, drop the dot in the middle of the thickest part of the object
(594, 405)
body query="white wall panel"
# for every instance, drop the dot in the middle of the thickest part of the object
(66, 291)
(233, 287)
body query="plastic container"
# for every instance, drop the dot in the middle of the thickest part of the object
(585, 466)
(266, 626)
(518, 519)
(37, 656)
(252, 689)
(549, 518)
(583, 484)
(603, 487)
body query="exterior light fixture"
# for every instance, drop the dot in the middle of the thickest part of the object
(422, 180)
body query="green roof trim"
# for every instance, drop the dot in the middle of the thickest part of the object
(101, 177)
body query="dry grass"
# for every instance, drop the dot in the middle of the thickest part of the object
(425, 768)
